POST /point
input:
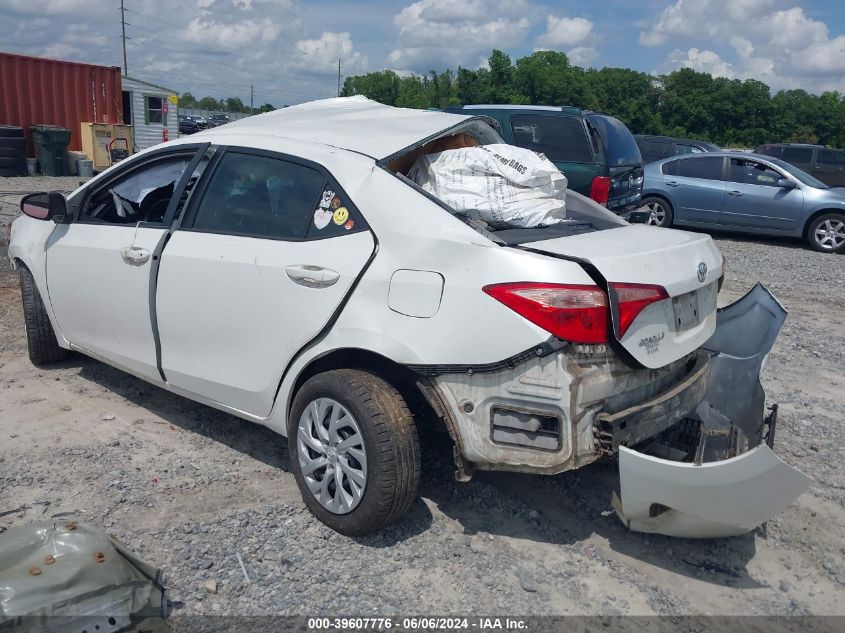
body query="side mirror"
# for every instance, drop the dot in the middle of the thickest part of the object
(786, 183)
(45, 206)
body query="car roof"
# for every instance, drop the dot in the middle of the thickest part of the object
(355, 123)
(746, 155)
(523, 108)
(660, 137)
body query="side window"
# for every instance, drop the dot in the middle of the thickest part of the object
(683, 148)
(560, 138)
(709, 168)
(750, 172)
(273, 198)
(140, 196)
(832, 157)
(797, 154)
(671, 168)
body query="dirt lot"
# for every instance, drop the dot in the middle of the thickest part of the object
(188, 488)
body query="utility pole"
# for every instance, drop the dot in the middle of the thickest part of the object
(251, 98)
(123, 36)
(338, 77)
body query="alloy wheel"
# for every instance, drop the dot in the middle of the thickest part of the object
(830, 234)
(332, 455)
(656, 214)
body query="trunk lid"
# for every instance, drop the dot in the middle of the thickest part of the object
(687, 265)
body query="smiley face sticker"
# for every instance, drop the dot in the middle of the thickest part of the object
(340, 216)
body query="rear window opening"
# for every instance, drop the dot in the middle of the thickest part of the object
(582, 215)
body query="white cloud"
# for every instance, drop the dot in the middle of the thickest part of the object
(769, 41)
(582, 55)
(438, 33)
(231, 34)
(702, 61)
(564, 32)
(321, 54)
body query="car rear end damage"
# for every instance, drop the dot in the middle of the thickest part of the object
(690, 436)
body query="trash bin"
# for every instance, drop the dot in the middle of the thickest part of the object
(51, 143)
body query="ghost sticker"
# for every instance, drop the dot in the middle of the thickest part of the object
(322, 217)
(341, 215)
(335, 202)
(326, 202)
(348, 226)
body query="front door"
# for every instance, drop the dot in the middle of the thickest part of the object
(754, 199)
(99, 267)
(265, 257)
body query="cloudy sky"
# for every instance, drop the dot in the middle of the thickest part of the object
(289, 48)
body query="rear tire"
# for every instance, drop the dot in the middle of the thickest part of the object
(826, 233)
(40, 338)
(661, 213)
(374, 421)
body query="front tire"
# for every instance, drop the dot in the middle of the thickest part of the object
(826, 233)
(660, 211)
(41, 340)
(354, 451)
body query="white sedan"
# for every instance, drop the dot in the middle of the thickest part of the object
(284, 269)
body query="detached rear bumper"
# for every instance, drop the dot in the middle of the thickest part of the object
(727, 482)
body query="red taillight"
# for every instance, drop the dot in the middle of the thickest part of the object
(575, 313)
(600, 189)
(633, 299)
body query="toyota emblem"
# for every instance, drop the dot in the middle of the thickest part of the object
(702, 271)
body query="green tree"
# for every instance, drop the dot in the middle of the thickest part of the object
(382, 86)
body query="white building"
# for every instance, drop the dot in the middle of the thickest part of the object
(151, 110)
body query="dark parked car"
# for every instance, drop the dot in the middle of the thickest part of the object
(216, 120)
(828, 165)
(597, 153)
(187, 125)
(655, 148)
(737, 191)
(201, 121)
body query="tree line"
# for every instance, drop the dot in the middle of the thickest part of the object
(230, 104)
(685, 103)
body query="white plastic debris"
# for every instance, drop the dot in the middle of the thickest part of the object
(502, 185)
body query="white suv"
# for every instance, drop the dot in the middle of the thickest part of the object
(282, 268)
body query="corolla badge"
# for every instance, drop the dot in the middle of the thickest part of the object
(702, 271)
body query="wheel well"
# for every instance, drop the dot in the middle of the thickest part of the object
(658, 195)
(817, 214)
(398, 376)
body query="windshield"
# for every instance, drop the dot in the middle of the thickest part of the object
(801, 175)
(620, 147)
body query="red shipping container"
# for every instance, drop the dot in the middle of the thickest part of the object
(36, 90)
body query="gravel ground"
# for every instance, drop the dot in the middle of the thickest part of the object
(189, 488)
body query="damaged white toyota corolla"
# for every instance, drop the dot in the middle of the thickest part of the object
(283, 268)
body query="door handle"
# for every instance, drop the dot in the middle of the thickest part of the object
(312, 276)
(672, 183)
(134, 256)
(735, 193)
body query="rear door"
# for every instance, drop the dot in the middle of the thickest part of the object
(100, 267)
(270, 248)
(754, 200)
(830, 167)
(696, 188)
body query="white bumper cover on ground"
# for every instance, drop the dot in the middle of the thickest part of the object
(715, 499)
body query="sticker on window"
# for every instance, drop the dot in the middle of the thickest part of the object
(341, 215)
(322, 217)
(326, 202)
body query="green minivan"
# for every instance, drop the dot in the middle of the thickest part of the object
(596, 152)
